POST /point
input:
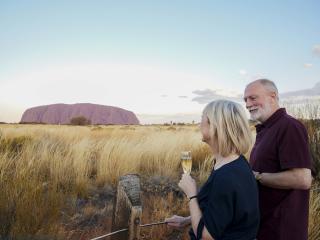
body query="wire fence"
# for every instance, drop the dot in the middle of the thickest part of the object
(126, 229)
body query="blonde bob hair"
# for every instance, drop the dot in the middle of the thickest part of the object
(229, 127)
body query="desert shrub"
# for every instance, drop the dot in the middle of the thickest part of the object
(80, 121)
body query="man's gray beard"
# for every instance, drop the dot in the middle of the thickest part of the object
(260, 112)
(254, 117)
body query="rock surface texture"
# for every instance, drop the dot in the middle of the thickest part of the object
(63, 113)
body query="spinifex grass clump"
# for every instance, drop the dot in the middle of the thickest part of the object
(314, 212)
(13, 146)
(313, 128)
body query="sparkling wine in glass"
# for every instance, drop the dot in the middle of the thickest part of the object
(186, 161)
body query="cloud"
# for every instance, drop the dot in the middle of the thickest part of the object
(308, 65)
(258, 76)
(243, 72)
(183, 96)
(309, 92)
(208, 95)
(316, 50)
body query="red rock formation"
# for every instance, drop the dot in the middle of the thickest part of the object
(63, 113)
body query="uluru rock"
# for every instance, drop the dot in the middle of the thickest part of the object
(63, 113)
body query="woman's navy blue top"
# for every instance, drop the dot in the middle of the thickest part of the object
(229, 203)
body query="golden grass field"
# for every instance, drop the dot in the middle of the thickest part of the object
(58, 182)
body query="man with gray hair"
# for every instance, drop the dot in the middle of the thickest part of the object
(281, 162)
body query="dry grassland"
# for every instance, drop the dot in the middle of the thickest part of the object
(58, 182)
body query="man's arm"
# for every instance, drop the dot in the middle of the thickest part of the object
(296, 178)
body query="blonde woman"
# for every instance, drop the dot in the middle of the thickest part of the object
(226, 207)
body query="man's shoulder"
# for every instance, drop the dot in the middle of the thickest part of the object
(289, 122)
(290, 128)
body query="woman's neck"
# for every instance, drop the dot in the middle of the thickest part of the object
(220, 160)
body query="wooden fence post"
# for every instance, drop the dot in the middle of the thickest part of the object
(128, 208)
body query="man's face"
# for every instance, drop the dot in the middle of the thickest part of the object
(259, 101)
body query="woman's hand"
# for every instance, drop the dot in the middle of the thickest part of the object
(178, 221)
(188, 185)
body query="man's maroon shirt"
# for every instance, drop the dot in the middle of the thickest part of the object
(281, 144)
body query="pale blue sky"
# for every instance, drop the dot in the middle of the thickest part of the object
(132, 53)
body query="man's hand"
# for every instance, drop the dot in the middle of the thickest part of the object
(255, 174)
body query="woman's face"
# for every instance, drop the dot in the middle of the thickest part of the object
(205, 129)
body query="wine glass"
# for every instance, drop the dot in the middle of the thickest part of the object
(186, 161)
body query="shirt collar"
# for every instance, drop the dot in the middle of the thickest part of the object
(272, 119)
